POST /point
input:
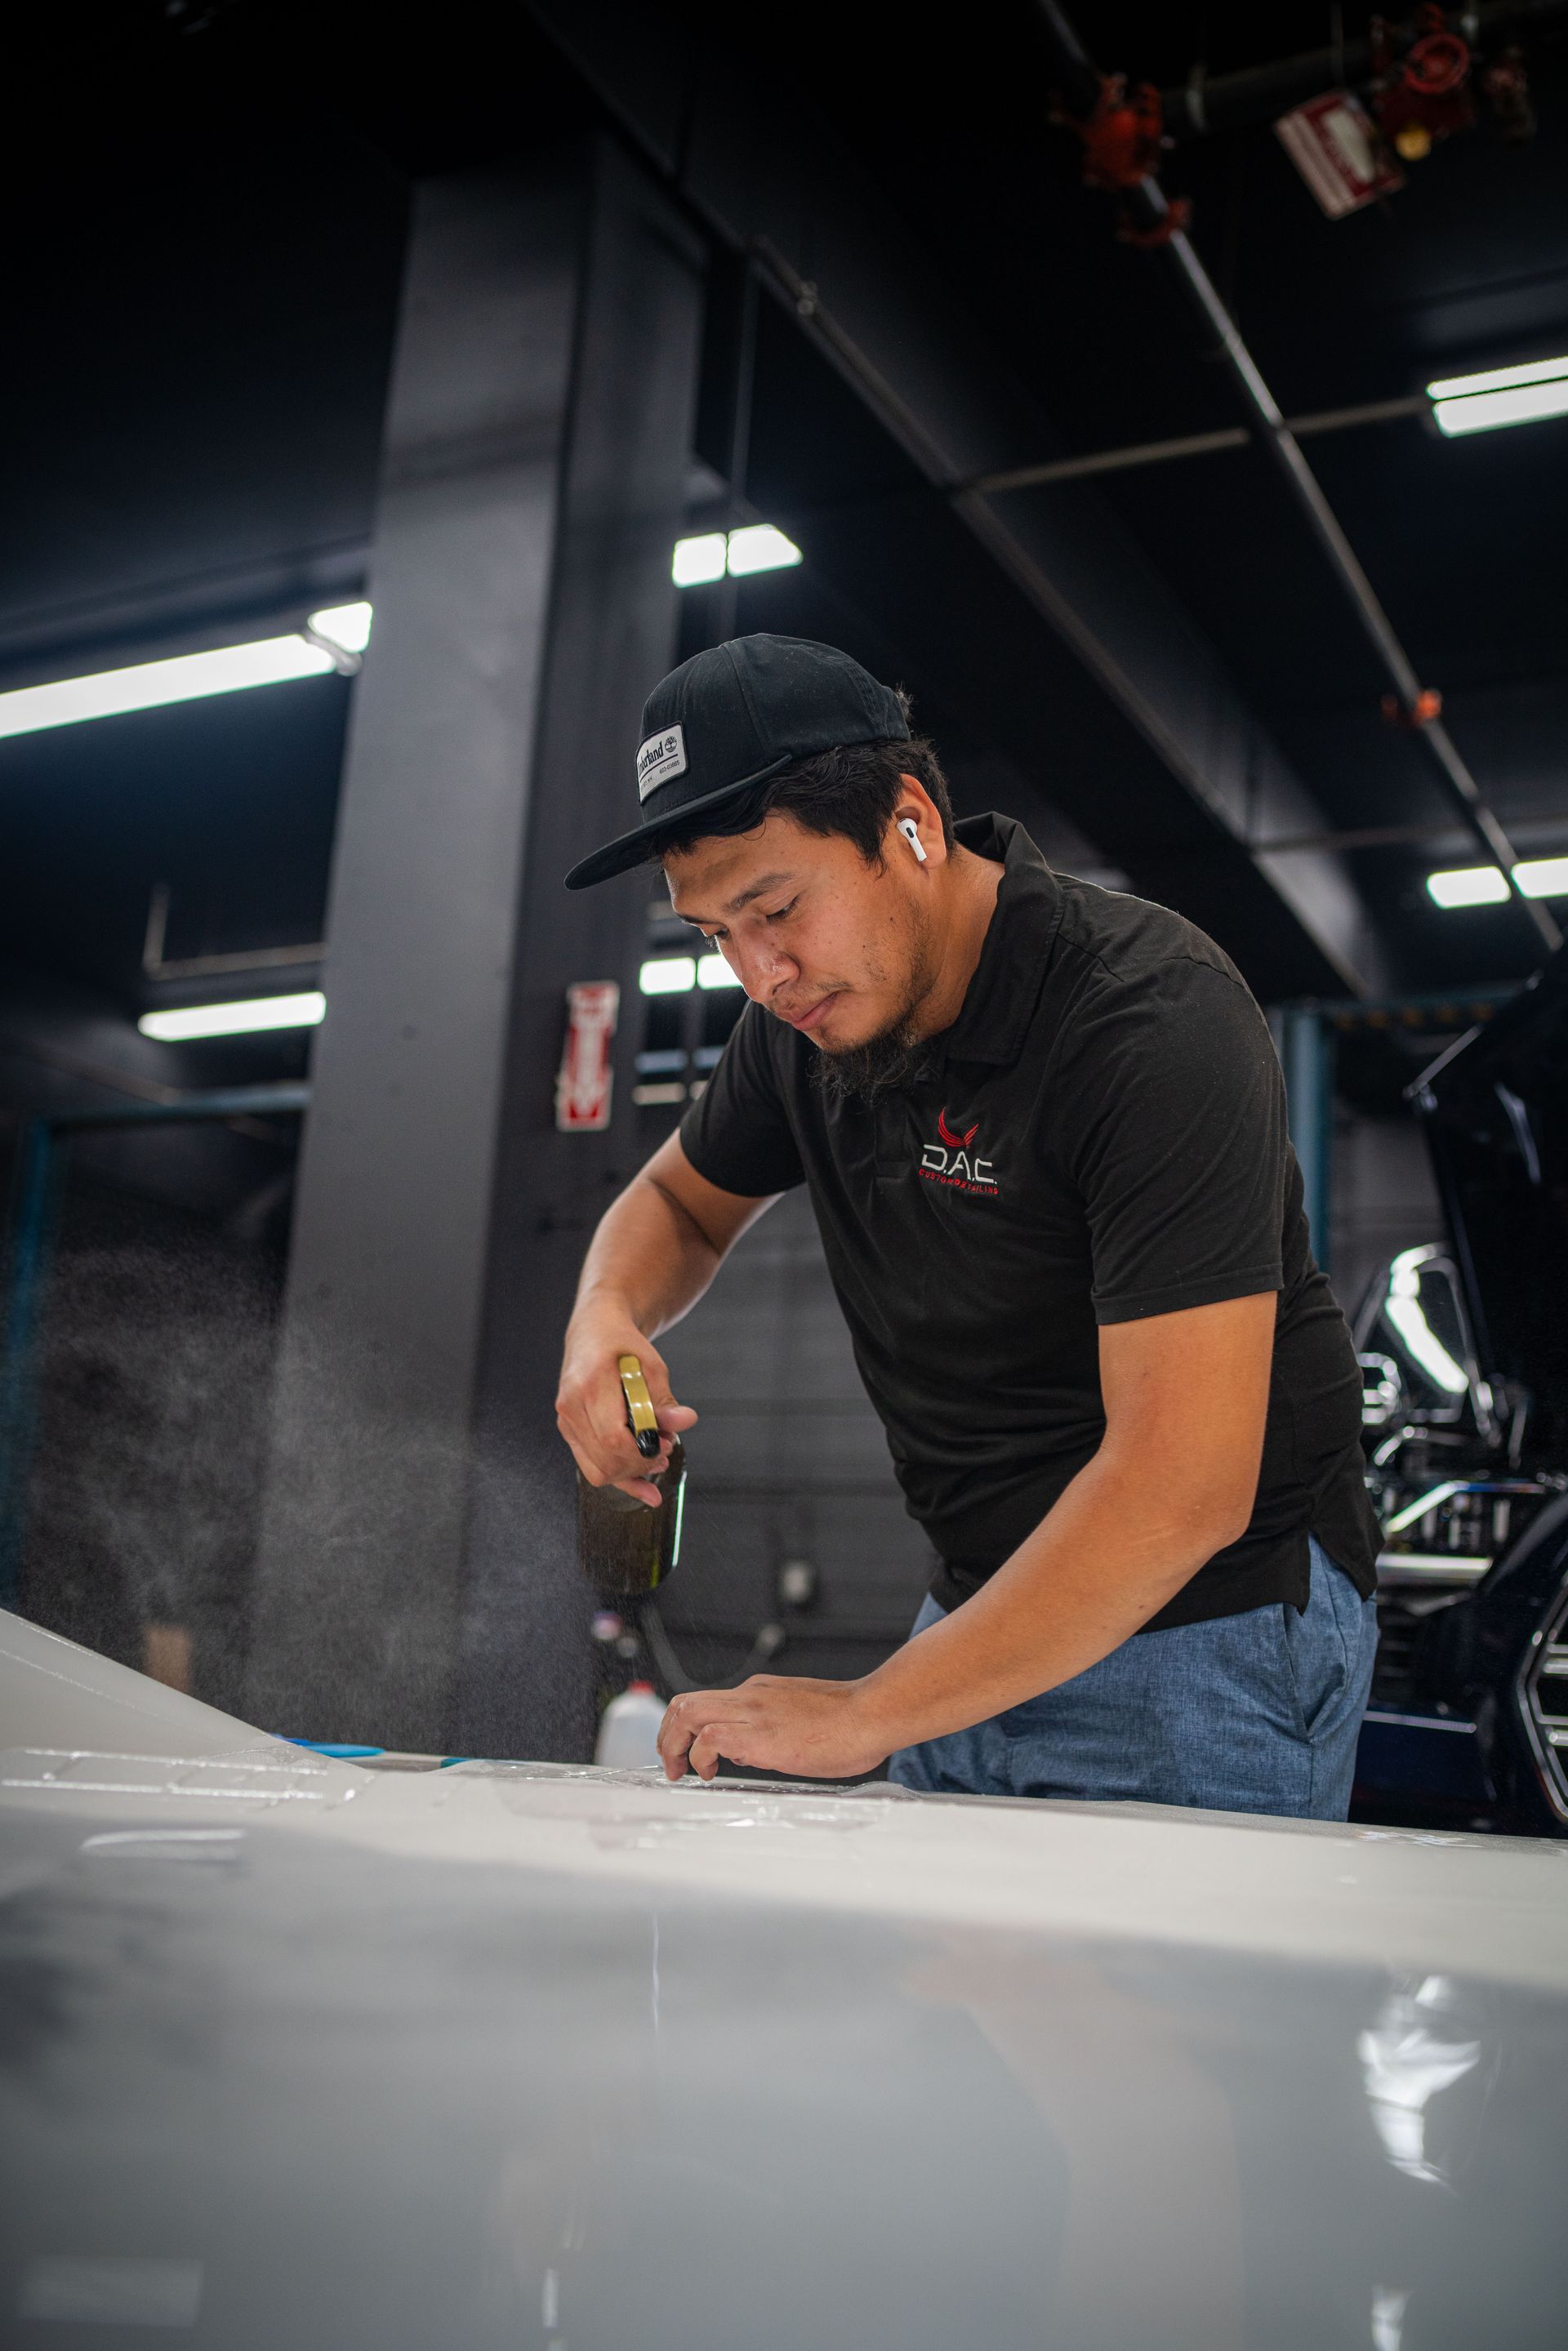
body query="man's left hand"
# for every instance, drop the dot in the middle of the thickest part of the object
(774, 1722)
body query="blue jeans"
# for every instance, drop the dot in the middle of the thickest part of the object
(1255, 1713)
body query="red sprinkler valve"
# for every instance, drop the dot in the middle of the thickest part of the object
(1427, 95)
(1427, 705)
(1124, 136)
(1122, 139)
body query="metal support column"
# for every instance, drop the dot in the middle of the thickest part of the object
(535, 452)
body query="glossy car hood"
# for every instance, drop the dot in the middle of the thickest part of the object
(522, 2057)
(1495, 1112)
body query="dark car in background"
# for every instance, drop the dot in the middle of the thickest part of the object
(1464, 1353)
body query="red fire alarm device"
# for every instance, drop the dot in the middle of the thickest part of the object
(582, 1088)
(1333, 144)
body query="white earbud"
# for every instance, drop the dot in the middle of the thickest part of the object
(910, 831)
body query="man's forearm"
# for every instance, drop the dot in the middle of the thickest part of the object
(655, 1253)
(1174, 1481)
(1104, 1559)
(649, 1257)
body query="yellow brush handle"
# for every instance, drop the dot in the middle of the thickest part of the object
(640, 1410)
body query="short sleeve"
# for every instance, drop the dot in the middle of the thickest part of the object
(738, 1134)
(1174, 1110)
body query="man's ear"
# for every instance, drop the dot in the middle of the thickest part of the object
(916, 807)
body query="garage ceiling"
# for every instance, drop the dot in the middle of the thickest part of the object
(204, 303)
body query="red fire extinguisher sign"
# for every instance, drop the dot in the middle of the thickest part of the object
(1334, 144)
(582, 1087)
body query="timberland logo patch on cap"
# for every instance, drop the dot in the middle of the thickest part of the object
(661, 756)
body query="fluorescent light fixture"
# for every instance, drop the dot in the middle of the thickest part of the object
(188, 677)
(667, 976)
(756, 547)
(696, 560)
(713, 972)
(347, 625)
(760, 548)
(152, 684)
(1542, 877)
(178, 1026)
(1468, 886)
(1483, 885)
(1489, 409)
(1508, 379)
(1512, 395)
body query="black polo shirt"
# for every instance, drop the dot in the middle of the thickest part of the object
(1102, 1137)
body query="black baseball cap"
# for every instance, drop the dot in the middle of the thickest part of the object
(730, 718)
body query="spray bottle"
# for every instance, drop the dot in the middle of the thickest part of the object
(628, 1549)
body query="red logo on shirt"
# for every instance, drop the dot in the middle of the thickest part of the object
(952, 1162)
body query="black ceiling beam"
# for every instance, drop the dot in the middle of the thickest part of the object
(761, 173)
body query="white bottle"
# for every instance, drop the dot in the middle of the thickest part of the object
(629, 1729)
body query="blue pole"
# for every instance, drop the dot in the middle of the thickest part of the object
(27, 1272)
(1307, 1054)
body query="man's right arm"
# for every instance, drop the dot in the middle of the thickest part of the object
(656, 1249)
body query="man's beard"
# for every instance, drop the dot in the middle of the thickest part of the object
(896, 1057)
(885, 1064)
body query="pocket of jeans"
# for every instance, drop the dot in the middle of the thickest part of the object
(1289, 1674)
(1317, 1662)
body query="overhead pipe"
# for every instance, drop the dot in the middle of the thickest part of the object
(1261, 93)
(1081, 83)
(1190, 444)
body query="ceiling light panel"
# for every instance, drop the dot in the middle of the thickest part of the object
(1499, 396)
(1486, 412)
(347, 625)
(152, 686)
(182, 1023)
(1468, 886)
(189, 677)
(697, 561)
(756, 547)
(1508, 379)
(668, 975)
(760, 548)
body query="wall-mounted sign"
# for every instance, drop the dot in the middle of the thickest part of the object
(582, 1088)
(1334, 146)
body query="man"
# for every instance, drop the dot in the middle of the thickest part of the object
(1043, 1131)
